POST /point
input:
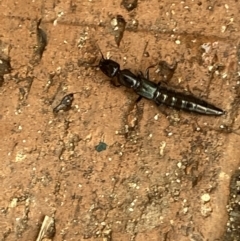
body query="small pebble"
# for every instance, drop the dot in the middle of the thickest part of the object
(205, 197)
(101, 147)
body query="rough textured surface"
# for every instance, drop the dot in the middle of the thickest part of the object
(165, 174)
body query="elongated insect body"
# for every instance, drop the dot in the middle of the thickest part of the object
(144, 87)
(185, 102)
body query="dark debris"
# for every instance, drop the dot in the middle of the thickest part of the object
(129, 5)
(65, 103)
(118, 25)
(41, 44)
(5, 68)
(101, 147)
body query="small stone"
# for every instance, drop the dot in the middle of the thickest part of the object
(179, 164)
(206, 210)
(101, 147)
(156, 117)
(185, 210)
(205, 197)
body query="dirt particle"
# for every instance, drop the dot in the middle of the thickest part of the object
(205, 197)
(118, 25)
(101, 147)
(129, 4)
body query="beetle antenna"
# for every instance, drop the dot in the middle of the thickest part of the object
(96, 66)
(100, 51)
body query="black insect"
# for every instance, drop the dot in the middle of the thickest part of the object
(144, 87)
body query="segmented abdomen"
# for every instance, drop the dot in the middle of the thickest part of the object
(185, 102)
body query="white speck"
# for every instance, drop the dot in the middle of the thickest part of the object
(179, 164)
(13, 203)
(170, 134)
(226, 6)
(177, 41)
(110, 159)
(55, 22)
(108, 55)
(162, 147)
(132, 185)
(60, 14)
(130, 209)
(223, 28)
(206, 210)
(206, 47)
(185, 210)
(80, 185)
(205, 197)
(20, 128)
(150, 135)
(156, 117)
(114, 22)
(65, 41)
(88, 137)
(20, 157)
(224, 75)
(210, 68)
(24, 141)
(58, 70)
